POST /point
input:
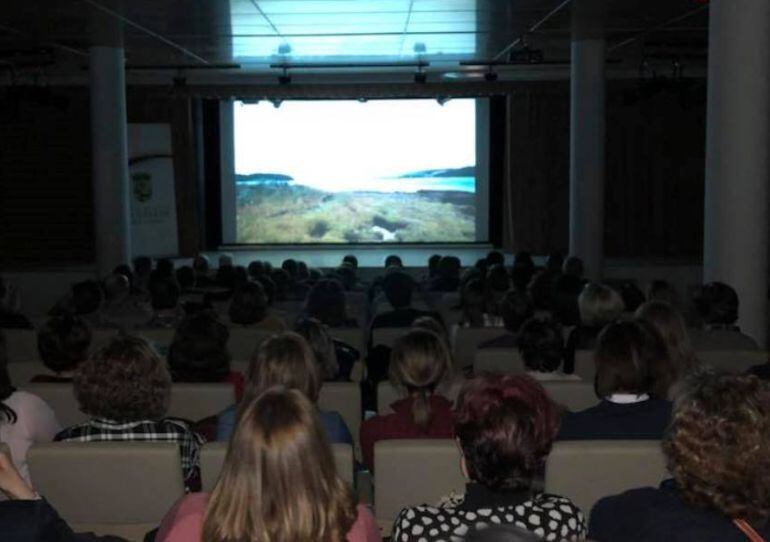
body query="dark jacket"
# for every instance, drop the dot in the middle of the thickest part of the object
(641, 421)
(652, 515)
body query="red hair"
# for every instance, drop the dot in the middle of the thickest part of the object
(506, 425)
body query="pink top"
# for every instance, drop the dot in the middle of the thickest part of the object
(35, 424)
(184, 522)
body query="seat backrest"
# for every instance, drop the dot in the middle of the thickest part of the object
(243, 341)
(386, 336)
(108, 482)
(585, 367)
(353, 336)
(21, 345)
(732, 361)
(345, 398)
(22, 372)
(498, 360)
(387, 393)
(574, 395)
(213, 457)
(411, 472)
(61, 398)
(195, 401)
(587, 470)
(467, 340)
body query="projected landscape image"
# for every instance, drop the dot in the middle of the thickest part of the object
(398, 171)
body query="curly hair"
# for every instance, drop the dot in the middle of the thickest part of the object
(125, 381)
(541, 345)
(506, 426)
(718, 444)
(63, 342)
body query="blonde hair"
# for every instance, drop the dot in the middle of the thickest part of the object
(420, 361)
(279, 480)
(599, 305)
(284, 360)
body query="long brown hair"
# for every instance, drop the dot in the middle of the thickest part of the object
(279, 480)
(284, 360)
(420, 361)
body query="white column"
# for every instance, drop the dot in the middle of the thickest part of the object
(110, 158)
(735, 249)
(587, 133)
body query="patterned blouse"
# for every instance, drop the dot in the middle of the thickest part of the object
(551, 517)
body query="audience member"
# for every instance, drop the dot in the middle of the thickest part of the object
(165, 268)
(25, 419)
(122, 308)
(125, 388)
(393, 261)
(249, 307)
(497, 282)
(326, 303)
(626, 354)
(661, 290)
(474, 305)
(447, 275)
(495, 257)
(335, 358)
(717, 305)
(599, 305)
(433, 263)
(718, 452)
(279, 482)
(419, 363)
(542, 349)
(541, 290)
(63, 343)
(202, 268)
(399, 288)
(164, 298)
(505, 427)
(10, 318)
(522, 270)
(516, 308)
(285, 360)
(632, 296)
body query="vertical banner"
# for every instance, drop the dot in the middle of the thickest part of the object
(153, 199)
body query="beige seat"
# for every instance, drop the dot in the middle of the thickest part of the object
(587, 470)
(21, 345)
(585, 367)
(121, 488)
(195, 401)
(21, 372)
(353, 336)
(386, 336)
(387, 393)
(574, 395)
(61, 398)
(345, 398)
(213, 457)
(410, 472)
(732, 361)
(243, 341)
(498, 360)
(467, 340)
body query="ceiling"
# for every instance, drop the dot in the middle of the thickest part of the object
(47, 38)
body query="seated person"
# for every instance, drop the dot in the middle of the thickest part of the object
(419, 363)
(249, 307)
(85, 300)
(399, 288)
(542, 349)
(335, 358)
(474, 306)
(447, 277)
(164, 296)
(599, 305)
(121, 308)
(516, 308)
(25, 419)
(326, 303)
(497, 283)
(198, 352)
(717, 452)
(279, 482)
(505, 427)
(10, 318)
(567, 288)
(125, 389)
(285, 360)
(626, 354)
(63, 343)
(717, 305)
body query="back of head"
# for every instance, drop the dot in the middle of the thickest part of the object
(393, 261)
(198, 352)
(632, 296)
(290, 266)
(672, 329)
(497, 278)
(433, 263)
(116, 285)
(125, 270)
(279, 480)
(541, 345)
(718, 442)
(523, 260)
(495, 257)
(185, 277)
(201, 264)
(599, 305)
(431, 324)
(256, 269)
(165, 267)
(515, 308)
(142, 266)
(449, 267)
(63, 342)
(554, 262)
(573, 266)
(626, 356)
(661, 290)
(225, 260)
(164, 292)
(541, 290)
(351, 260)
(326, 302)
(717, 303)
(125, 381)
(284, 360)
(249, 304)
(322, 345)
(506, 425)
(398, 288)
(86, 297)
(419, 362)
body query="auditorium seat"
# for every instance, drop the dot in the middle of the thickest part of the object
(386, 336)
(61, 398)
(387, 393)
(410, 472)
(585, 367)
(586, 471)
(466, 342)
(118, 488)
(244, 340)
(195, 401)
(498, 360)
(732, 361)
(574, 395)
(213, 457)
(345, 398)
(22, 372)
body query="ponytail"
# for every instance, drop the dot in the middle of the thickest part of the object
(421, 414)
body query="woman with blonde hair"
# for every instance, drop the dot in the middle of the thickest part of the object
(419, 362)
(278, 482)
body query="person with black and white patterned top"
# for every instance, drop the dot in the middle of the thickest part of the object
(505, 428)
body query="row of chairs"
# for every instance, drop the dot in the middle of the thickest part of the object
(80, 479)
